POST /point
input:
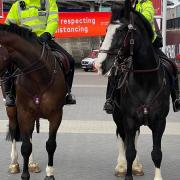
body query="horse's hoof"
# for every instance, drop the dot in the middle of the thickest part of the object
(49, 178)
(34, 168)
(137, 172)
(14, 168)
(120, 171)
(25, 176)
(128, 178)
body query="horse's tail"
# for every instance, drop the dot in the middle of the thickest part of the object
(14, 130)
(37, 125)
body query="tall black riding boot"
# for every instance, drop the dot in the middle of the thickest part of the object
(175, 95)
(109, 104)
(70, 99)
(8, 90)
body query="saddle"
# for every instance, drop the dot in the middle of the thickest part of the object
(63, 61)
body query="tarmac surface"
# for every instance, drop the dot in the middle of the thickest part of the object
(87, 144)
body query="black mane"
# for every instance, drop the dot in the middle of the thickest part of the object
(146, 24)
(20, 31)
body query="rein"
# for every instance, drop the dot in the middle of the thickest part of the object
(33, 67)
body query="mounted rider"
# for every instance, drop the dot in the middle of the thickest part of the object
(145, 7)
(40, 16)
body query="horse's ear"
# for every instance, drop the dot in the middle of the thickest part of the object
(127, 8)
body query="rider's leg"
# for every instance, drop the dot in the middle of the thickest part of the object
(69, 77)
(175, 95)
(175, 91)
(8, 88)
(111, 86)
(109, 104)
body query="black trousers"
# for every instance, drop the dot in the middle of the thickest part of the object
(69, 77)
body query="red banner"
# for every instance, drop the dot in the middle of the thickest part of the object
(77, 24)
(158, 7)
(80, 24)
(1, 8)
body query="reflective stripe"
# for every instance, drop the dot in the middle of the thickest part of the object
(53, 20)
(52, 12)
(28, 19)
(40, 26)
(10, 21)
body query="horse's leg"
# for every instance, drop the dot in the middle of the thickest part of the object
(137, 168)
(54, 123)
(33, 166)
(26, 123)
(14, 166)
(156, 153)
(130, 152)
(13, 135)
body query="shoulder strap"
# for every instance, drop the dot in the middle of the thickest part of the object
(43, 5)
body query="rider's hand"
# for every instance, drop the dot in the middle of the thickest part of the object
(45, 37)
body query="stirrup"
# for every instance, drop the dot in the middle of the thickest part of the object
(176, 105)
(109, 106)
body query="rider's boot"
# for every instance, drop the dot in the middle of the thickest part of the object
(70, 99)
(7, 87)
(175, 95)
(109, 104)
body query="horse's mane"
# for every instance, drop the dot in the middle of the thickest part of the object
(146, 24)
(20, 31)
(118, 13)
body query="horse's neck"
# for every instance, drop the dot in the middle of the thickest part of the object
(24, 60)
(145, 58)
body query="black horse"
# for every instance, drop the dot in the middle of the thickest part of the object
(142, 93)
(40, 90)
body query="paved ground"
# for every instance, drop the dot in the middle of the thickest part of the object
(86, 140)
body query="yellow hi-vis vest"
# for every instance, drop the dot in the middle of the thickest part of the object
(145, 7)
(32, 17)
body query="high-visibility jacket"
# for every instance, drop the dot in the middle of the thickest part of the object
(145, 7)
(32, 17)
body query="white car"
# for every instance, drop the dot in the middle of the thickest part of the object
(88, 62)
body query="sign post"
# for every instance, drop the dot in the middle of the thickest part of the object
(1, 8)
(164, 25)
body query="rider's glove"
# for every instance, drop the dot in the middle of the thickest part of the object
(45, 37)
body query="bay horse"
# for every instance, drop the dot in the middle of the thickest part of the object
(142, 91)
(40, 90)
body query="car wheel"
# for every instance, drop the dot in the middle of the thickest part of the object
(86, 70)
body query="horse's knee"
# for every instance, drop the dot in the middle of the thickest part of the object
(156, 155)
(51, 146)
(26, 148)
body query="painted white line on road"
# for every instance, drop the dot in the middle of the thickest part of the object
(89, 86)
(93, 127)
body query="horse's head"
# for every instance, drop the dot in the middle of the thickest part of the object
(125, 35)
(4, 59)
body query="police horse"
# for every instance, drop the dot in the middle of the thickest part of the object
(142, 89)
(40, 91)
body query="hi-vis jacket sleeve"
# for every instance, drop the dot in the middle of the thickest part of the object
(52, 21)
(148, 11)
(12, 16)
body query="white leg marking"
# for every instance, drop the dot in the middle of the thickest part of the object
(14, 153)
(49, 171)
(121, 161)
(136, 164)
(158, 174)
(31, 156)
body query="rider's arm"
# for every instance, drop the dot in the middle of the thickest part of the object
(148, 10)
(52, 22)
(12, 16)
